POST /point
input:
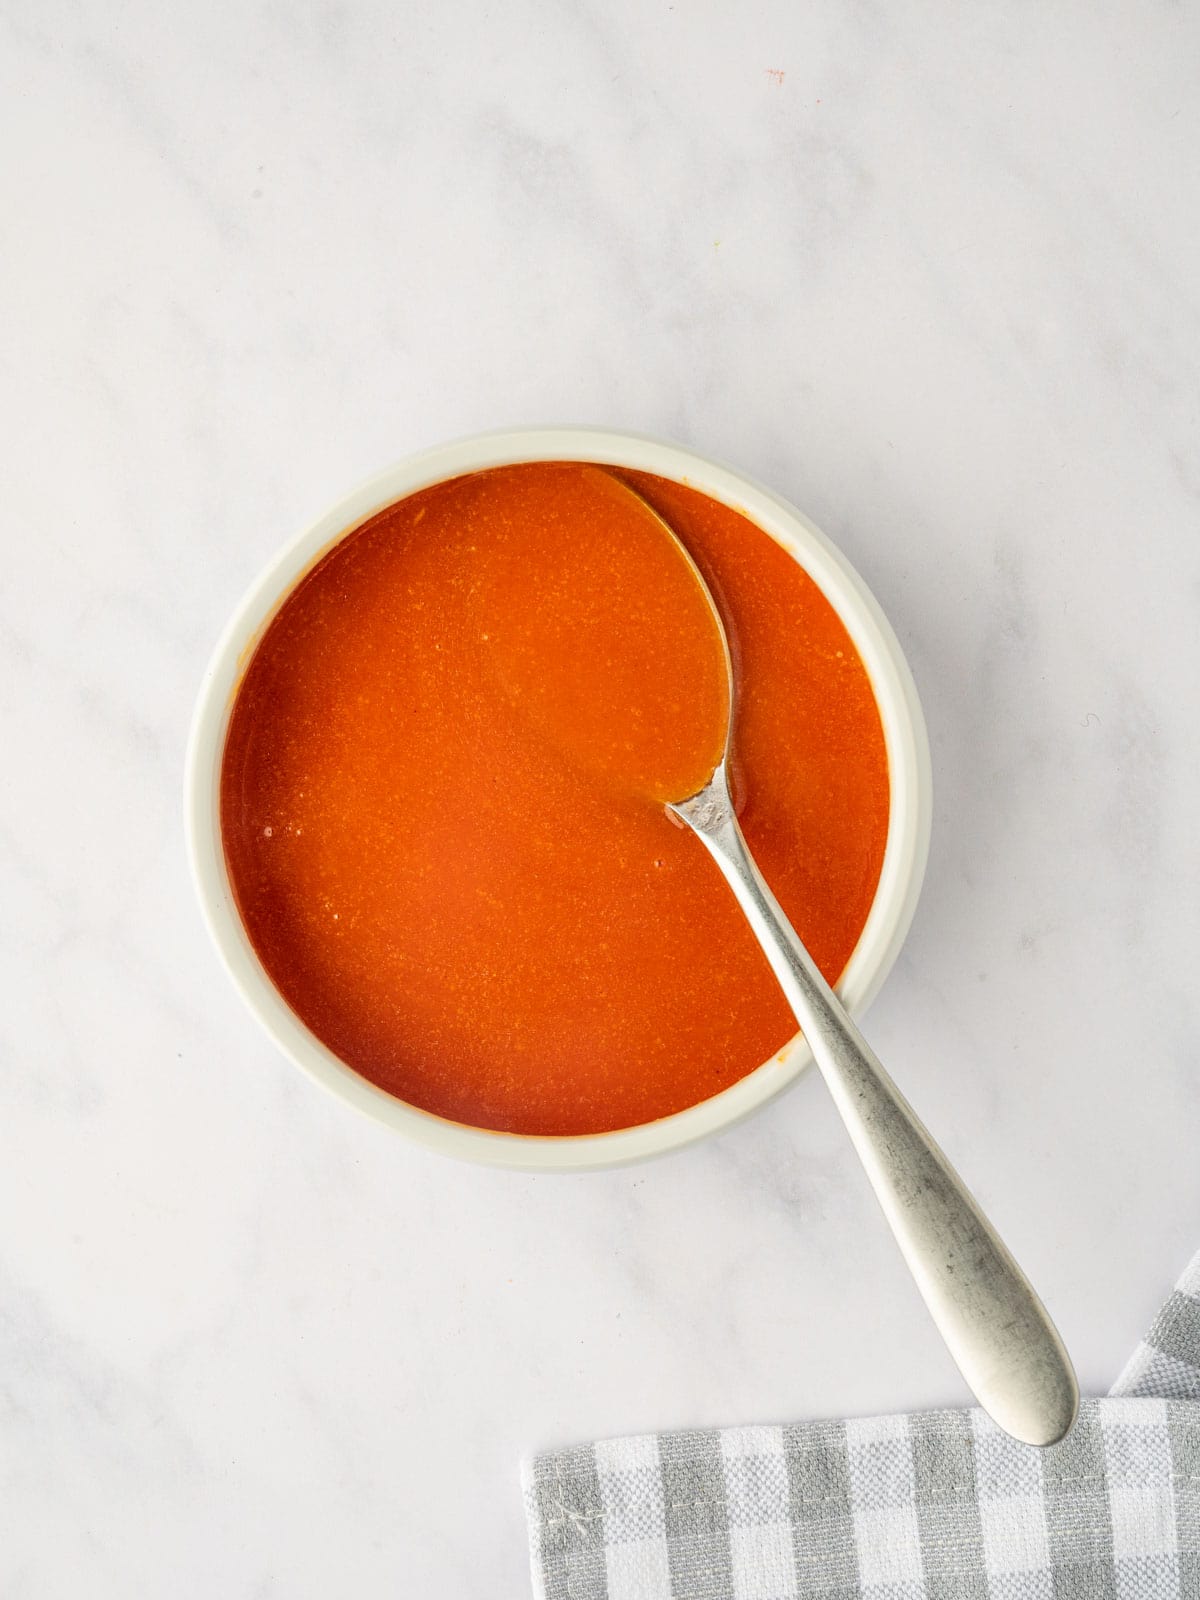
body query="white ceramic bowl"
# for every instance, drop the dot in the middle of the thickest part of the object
(904, 732)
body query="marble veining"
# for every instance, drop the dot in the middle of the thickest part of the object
(931, 276)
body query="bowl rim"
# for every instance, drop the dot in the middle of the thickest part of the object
(905, 737)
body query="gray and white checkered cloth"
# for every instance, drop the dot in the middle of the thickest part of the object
(935, 1506)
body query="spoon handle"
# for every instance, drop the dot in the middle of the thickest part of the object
(995, 1326)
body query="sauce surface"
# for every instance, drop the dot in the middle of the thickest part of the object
(448, 846)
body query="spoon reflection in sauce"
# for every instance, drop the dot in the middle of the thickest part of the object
(611, 715)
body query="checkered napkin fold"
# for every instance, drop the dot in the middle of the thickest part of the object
(934, 1506)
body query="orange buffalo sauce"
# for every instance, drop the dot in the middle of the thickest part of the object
(447, 842)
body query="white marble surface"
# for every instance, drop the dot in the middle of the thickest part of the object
(937, 283)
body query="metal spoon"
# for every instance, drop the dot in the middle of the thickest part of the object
(993, 1323)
